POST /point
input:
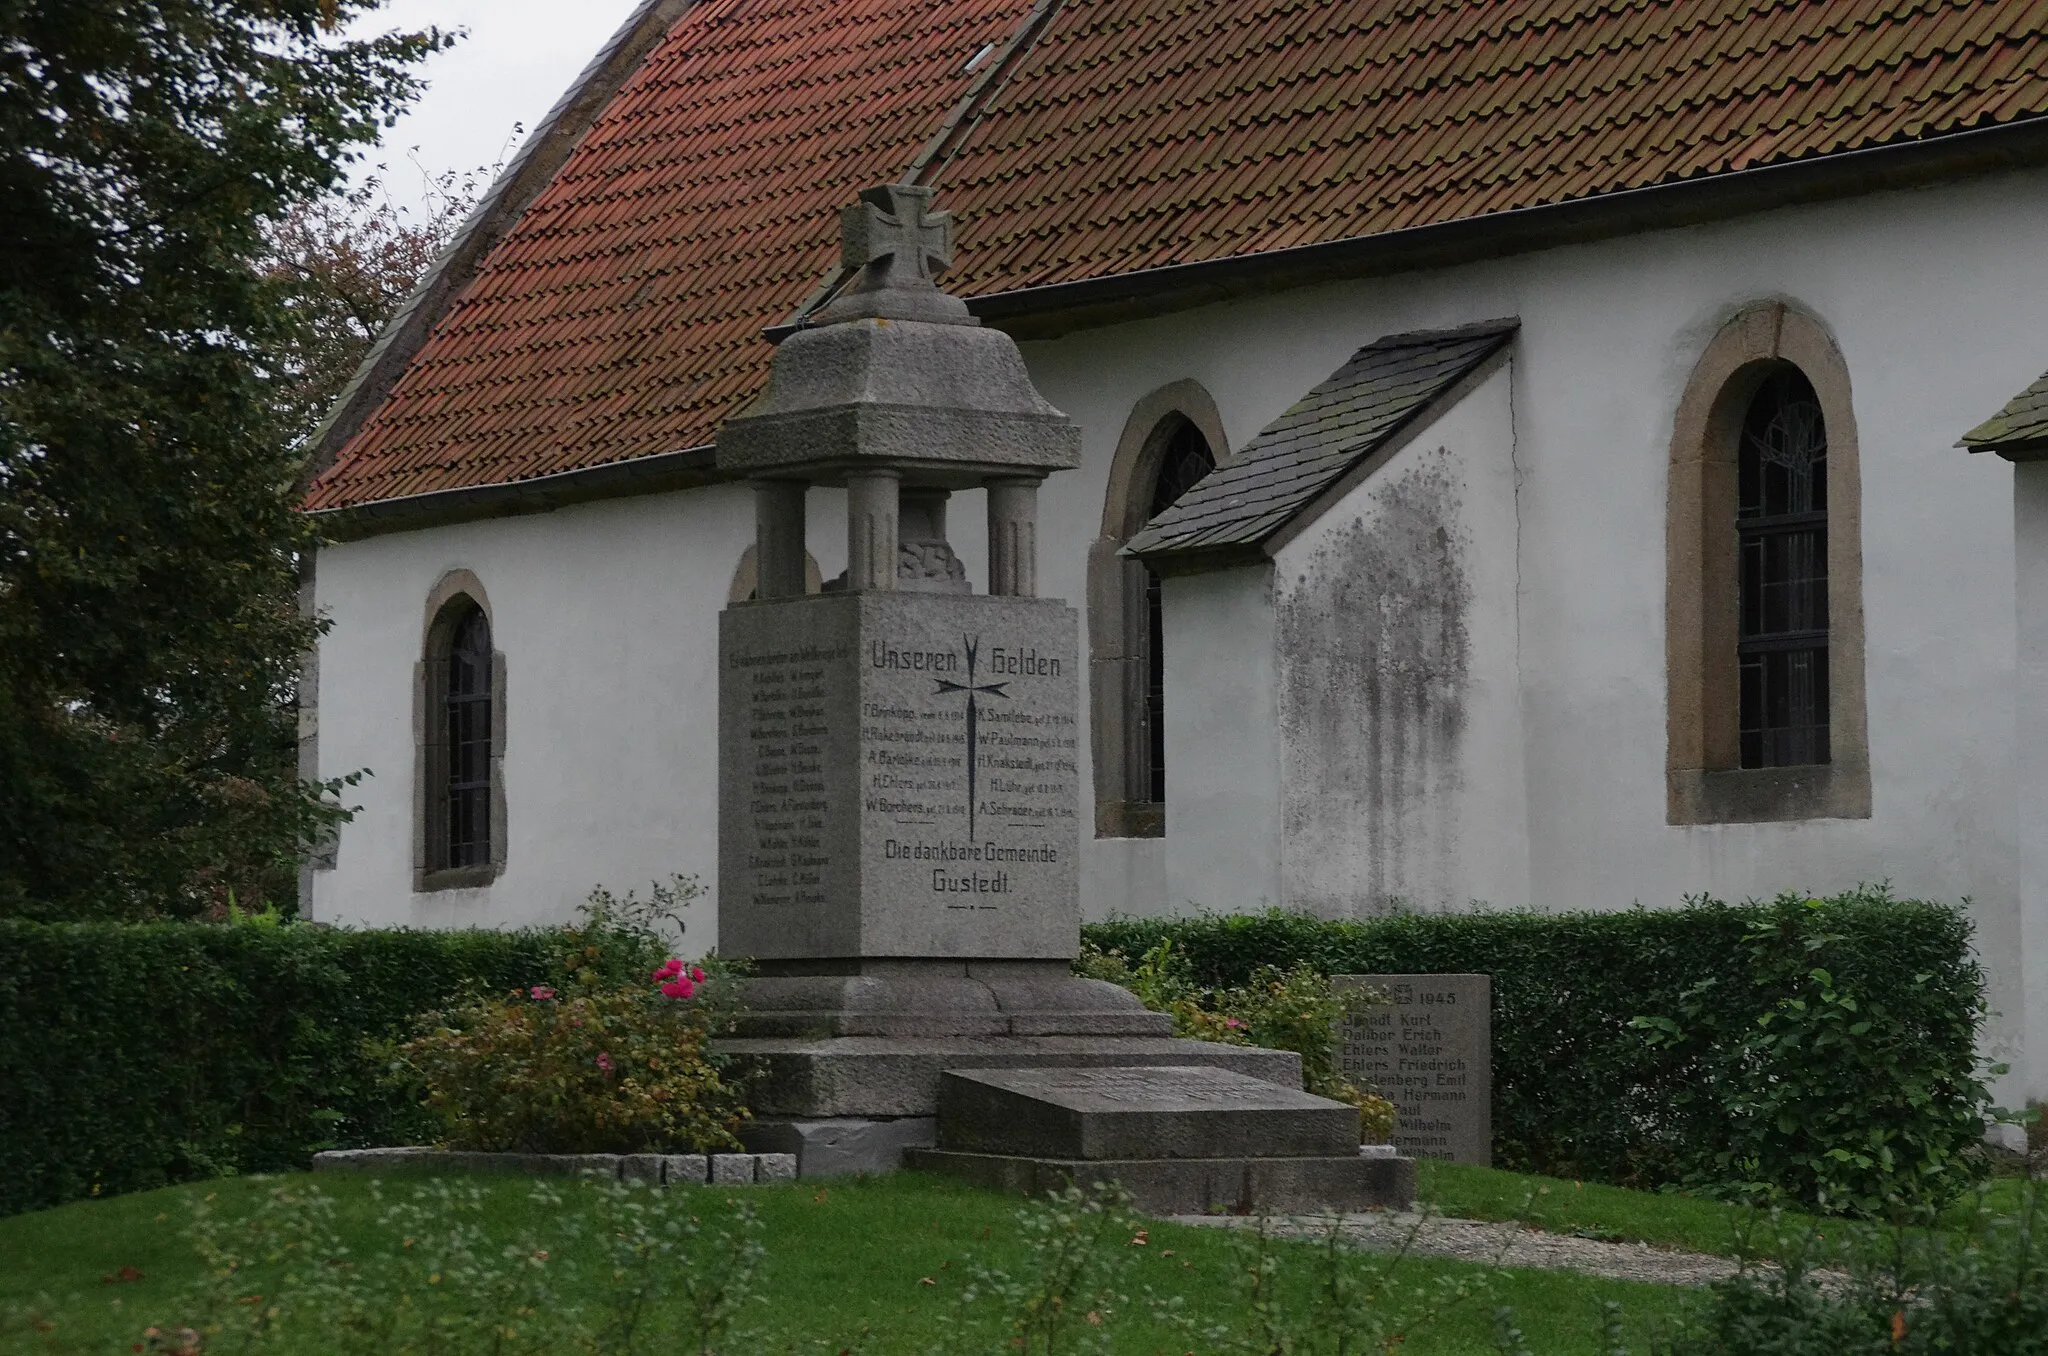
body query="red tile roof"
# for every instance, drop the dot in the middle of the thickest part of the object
(621, 317)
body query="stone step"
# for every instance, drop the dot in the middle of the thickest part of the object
(872, 1077)
(1368, 1179)
(1138, 1112)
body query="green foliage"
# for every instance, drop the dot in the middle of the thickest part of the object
(1356, 1303)
(1292, 1009)
(149, 542)
(856, 1264)
(1581, 1090)
(441, 1280)
(1983, 1289)
(1067, 1298)
(1842, 1094)
(603, 1070)
(135, 1055)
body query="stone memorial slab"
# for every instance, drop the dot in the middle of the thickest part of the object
(1429, 1051)
(900, 777)
(1171, 1111)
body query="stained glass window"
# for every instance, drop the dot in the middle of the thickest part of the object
(1782, 525)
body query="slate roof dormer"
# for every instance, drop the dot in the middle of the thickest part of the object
(2019, 432)
(1319, 447)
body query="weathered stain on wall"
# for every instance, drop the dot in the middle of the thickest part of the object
(1375, 654)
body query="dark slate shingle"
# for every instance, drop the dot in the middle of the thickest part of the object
(1318, 440)
(2021, 426)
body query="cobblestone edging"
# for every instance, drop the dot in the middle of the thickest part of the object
(641, 1169)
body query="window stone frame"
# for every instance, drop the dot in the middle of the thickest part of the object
(451, 597)
(1704, 780)
(1117, 617)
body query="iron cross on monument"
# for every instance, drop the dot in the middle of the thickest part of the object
(973, 689)
(895, 223)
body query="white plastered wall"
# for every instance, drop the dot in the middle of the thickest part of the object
(2030, 687)
(1223, 754)
(1400, 693)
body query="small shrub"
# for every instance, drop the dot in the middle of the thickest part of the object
(1334, 1301)
(1825, 1089)
(1295, 1009)
(607, 1069)
(1079, 1244)
(1980, 1289)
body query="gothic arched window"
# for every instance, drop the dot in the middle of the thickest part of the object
(1185, 459)
(1781, 520)
(460, 802)
(1172, 440)
(1765, 714)
(465, 791)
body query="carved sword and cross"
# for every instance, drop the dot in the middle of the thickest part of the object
(972, 689)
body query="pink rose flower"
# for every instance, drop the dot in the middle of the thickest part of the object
(541, 992)
(669, 969)
(680, 987)
(604, 1061)
(697, 973)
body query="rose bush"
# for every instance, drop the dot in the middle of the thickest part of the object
(607, 1068)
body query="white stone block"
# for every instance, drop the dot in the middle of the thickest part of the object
(732, 1169)
(685, 1170)
(776, 1167)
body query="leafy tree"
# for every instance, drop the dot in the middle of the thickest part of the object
(344, 263)
(149, 632)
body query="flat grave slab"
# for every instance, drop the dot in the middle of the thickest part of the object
(1141, 1112)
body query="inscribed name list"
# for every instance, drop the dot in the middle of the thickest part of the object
(908, 764)
(1429, 1051)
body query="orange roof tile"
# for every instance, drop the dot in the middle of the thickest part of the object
(621, 316)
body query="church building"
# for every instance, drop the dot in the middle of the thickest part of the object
(1535, 453)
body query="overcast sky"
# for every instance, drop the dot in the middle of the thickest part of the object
(517, 58)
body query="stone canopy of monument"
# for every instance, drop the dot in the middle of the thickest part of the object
(1429, 1051)
(899, 779)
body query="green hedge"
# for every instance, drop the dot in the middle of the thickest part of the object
(1820, 1049)
(1792, 1044)
(132, 1056)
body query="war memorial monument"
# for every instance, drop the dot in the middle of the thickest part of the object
(899, 797)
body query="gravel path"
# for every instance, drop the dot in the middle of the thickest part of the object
(1513, 1245)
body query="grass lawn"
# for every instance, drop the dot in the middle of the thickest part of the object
(1661, 1219)
(1588, 1209)
(845, 1257)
